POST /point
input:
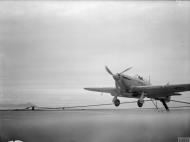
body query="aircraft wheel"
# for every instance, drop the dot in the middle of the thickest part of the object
(117, 102)
(139, 103)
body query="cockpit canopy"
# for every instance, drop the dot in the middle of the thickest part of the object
(139, 77)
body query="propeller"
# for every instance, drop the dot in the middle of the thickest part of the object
(117, 76)
(125, 70)
(108, 70)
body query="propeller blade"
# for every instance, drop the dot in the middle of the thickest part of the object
(108, 70)
(126, 70)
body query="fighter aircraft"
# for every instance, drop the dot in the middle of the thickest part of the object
(137, 87)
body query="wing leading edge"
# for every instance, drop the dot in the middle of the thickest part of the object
(156, 89)
(103, 89)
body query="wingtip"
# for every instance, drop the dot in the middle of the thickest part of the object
(86, 88)
(89, 89)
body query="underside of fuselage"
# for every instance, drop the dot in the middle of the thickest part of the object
(148, 95)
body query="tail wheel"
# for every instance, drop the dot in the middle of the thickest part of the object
(139, 103)
(117, 102)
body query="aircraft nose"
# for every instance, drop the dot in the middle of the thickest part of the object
(116, 77)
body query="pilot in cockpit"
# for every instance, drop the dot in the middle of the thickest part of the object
(139, 77)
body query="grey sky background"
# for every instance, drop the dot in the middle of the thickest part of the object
(50, 51)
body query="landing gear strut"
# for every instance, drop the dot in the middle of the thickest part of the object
(165, 105)
(141, 101)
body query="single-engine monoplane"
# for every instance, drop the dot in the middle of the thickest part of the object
(137, 87)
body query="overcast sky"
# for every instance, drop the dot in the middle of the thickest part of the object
(50, 51)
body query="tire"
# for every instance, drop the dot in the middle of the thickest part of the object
(139, 103)
(117, 102)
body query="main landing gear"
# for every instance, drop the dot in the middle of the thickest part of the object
(140, 103)
(116, 101)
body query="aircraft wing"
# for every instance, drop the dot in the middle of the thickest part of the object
(105, 90)
(157, 89)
